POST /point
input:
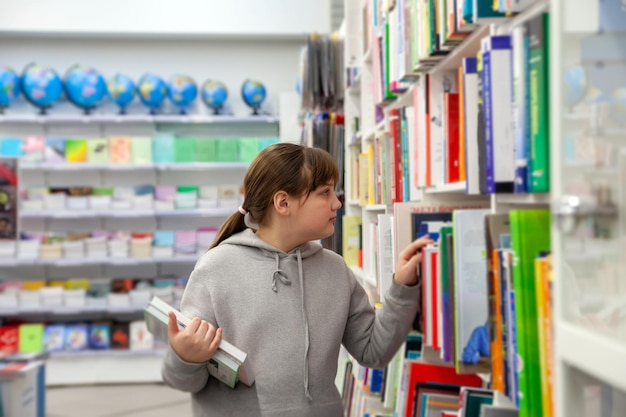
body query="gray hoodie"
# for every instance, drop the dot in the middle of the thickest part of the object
(290, 312)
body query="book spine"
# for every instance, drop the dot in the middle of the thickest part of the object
(520, 100)
(490, 186)
(539, 99)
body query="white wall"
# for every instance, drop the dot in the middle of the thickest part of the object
(170, 17)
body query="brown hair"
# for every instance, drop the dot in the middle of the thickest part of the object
(289, 167)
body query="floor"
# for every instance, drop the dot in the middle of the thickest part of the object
(150, 400)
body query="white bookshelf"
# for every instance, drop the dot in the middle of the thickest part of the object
(586, 356)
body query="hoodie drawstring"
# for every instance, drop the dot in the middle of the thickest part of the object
(279, 275)
(306, 329)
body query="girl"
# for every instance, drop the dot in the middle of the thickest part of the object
(267, 286)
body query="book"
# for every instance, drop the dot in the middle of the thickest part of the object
(76, 150)
(229, 364)
(98, 151)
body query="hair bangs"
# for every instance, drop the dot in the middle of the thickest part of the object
(321, 168)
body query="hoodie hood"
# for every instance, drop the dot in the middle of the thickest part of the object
(249, 239)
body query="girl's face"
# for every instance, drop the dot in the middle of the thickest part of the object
(316, 213)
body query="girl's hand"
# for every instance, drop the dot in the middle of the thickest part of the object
(196, 343)
(409, 258)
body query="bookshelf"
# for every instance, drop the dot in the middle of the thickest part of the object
(112, 365)
(586, 187)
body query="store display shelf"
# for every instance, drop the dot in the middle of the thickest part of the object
(376, 207)
(454, 187)
(69, 311)
(469, 47)
(135, 118)
(12, 262)
(90, 214)
(542, 199)
(190, 166)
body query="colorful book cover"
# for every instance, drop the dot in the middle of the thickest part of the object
(76, 337)
(140, 336)
(31, 338)
(11, 147)
(530, 236)
(205, 150)
(248, 149)
(120, 150)
(99, 336)
(184, 150)
(9, 338)
(33, 148)
(120, 337)
(141, 148)
(98, 151)
(55, 150)
(75, 150)
(163, 148)
(227, 150)
(54, 337)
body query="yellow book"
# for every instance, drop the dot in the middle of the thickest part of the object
(351, 229)
(33, 285)
(363, 180)
(540, 277)
(371, 176)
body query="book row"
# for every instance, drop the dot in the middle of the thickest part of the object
(144, 196)
(96, 294)
(480, 311)
(74, 337)
(107, 244)
(160, 148)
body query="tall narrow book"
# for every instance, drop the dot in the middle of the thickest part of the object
(229, 363)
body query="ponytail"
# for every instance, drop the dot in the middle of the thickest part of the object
(234, 224)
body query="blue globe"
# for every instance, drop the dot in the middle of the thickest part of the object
(41, 86)
(214, 94)
(253, 94)
(84, 86)
(575, 80)
(9, 86)
(152, 91)
(182, 90)
(121, 91)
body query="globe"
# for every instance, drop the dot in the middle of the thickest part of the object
(253, 94)
(84, 87)
(214, 95)
(618, 105)
(41, 86)
(121, 91)
(9, 87)
(575, 81)
(182, 91)
(152, 91)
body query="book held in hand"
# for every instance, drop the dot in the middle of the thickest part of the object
(229, 364)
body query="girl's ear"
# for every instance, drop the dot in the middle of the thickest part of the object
(281, 202)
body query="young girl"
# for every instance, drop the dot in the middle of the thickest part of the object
(268, 287)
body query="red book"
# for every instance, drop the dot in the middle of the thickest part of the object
(451, 107)
(420, 372)
(9, 338)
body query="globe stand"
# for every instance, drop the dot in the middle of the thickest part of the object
(87, 110)
(255, 111)
(122, 111)
(2, 108)
(216, 110)
(43, 110)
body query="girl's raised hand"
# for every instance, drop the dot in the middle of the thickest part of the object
(409, 258)
(196, 343)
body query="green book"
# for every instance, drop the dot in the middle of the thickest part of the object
(141, 150)
(530, 235)
(30, 338)
(248, 149)
(205, 150)
(265, 142)
(227, 150)
(184, 150)
(538, 30)
(102, 191)
(98, 151)
(75, 150)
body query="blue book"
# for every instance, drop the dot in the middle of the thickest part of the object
(164, 238)
(99, 336)
(490, 186)
(54, 337)
(163, 148)
(54, 150)
(11, 147)
(76, 337)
